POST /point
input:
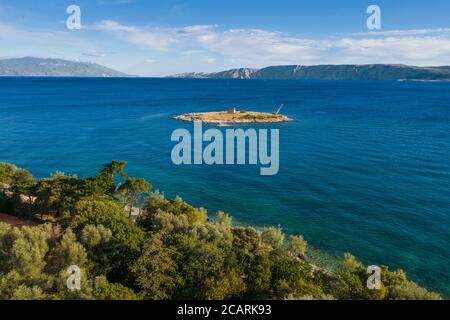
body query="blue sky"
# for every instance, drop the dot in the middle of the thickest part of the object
(164, 37)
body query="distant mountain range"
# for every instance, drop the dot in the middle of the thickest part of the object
(29, 66)
(331, 72)
(54, 68)
(242, 73)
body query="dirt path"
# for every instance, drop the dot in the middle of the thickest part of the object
(16, 222)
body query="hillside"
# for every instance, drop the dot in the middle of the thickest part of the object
(242, 73)
(332, 72)
(54, 68)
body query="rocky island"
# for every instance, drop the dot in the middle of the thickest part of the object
(233, 116)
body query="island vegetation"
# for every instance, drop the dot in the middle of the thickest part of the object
(234, 117)
(172, 251)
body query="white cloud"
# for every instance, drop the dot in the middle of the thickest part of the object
(197, 29)
(208, 60)
(109, 25)
(10, 32)
(258, 47)
(64, 44)
(407, 50)
(209, 48)
(412, 32)
(95, 54)
(153, 38)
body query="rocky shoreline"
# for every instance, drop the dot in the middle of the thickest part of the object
(230, 118)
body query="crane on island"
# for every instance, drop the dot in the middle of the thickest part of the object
(279, 109)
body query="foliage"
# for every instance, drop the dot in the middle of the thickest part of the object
(223, 219)
(126, 238)
(177, 207)
(114, 167)
(155, 270)
(15, 185)
(197, 260)
(273, 237)
(108, 172)
(7, 172)
(114, 291)
(132, 190)
(34, 262)
(411, 291)
(229, 285)
(57, 194)
(297, 246)
(173, 251)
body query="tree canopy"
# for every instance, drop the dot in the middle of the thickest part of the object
(172, 251)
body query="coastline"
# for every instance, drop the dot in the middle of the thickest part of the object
(233, 118)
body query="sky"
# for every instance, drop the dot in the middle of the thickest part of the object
(165, 37)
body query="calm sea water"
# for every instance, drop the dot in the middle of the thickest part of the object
(365, 169)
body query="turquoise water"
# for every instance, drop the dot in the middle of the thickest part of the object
(364, 170)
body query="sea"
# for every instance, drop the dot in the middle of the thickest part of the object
(365, 168)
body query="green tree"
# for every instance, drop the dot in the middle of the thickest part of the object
(197, 261)
(352, 282)
(108, 172)
(7, 172)
(114, 167)
(22, 183)
(273, 237)
(15, 184)
(126, 240)
(297, 246)
(44, 194)
(97, 186)
(132, 190)
(288, 268)
(156, 203)
(224, 219)
(228, 285)
(258, 273)
(218, 234)
(114, 291)
(66, 253)
(97, 241)
(29, 249)
(299, 290)
(57, 194)
(247, 239)
(155, 270)
(393, 278)
(95, 235)
(411, 291)
(165, 222)
(23, 292)
(195, 215)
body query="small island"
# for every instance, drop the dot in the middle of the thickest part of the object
(232, 116)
